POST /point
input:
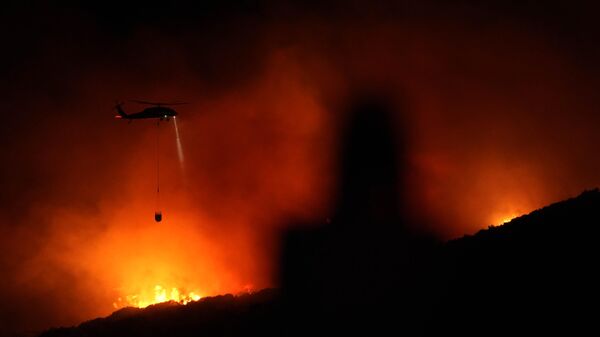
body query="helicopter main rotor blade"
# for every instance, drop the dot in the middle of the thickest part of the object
(158, 103)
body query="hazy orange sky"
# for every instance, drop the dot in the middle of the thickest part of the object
(498, 106)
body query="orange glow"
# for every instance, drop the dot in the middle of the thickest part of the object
(506, 219)
(508, 212)
(161, 262)
(504, 215)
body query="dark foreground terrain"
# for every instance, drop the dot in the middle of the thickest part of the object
(536, 274)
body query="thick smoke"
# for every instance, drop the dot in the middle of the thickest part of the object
(501, 119)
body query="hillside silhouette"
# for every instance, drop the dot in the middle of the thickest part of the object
(227, 315)
(535, 274)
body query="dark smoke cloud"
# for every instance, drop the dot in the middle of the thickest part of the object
(500, 114)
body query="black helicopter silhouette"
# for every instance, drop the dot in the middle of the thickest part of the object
(158, 110)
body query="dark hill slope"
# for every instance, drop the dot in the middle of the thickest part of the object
(250, 314)
(535, 275)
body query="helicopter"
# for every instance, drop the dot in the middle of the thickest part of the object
(158, 110)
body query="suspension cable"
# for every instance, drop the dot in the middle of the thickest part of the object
(158, 166)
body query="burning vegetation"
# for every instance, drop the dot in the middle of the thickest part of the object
(160, 295)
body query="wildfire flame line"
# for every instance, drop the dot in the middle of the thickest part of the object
(161, 295)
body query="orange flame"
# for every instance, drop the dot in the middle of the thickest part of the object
(160, 295)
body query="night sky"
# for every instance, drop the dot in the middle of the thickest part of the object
(497, 103)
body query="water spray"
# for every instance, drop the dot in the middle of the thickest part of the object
(179, 147)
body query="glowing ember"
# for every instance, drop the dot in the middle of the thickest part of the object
(160, 295)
